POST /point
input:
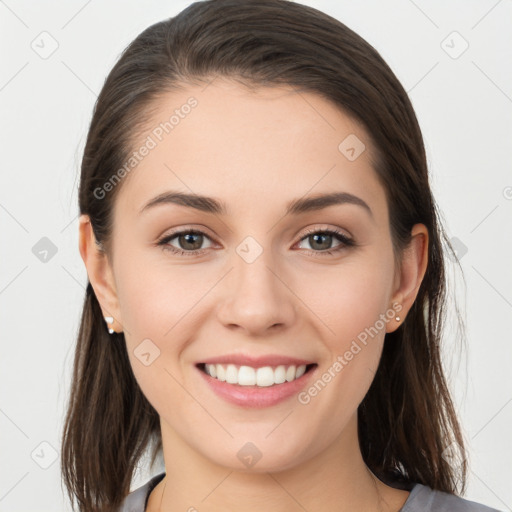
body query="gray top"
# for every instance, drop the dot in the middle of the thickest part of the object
(421, 499)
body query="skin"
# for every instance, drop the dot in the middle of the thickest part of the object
(256, 151)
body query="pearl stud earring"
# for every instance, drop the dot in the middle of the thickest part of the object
(109, 320)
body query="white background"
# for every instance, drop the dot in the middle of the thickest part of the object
(464, 106)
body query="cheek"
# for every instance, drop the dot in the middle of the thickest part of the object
(160, 305)
(349, 298)
(155, 307)
(353, 309)
(140, 300)
(357, 302)
(155, 297)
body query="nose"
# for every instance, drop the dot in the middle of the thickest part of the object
(256, 297)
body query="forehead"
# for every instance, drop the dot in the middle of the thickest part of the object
(253, 148)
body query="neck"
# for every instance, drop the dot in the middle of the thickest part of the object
(336, 479)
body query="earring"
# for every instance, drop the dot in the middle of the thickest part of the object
(109, 320)
(397, 318)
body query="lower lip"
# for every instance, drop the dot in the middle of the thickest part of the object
(254, 396)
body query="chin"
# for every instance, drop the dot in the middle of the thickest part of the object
(259, 455)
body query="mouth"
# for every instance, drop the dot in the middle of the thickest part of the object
(255, 376)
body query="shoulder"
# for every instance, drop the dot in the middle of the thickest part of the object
(425, 499)
(421, 498)
(136, 500)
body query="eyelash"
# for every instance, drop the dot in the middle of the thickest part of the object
(345, 242)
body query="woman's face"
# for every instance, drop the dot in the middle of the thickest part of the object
(260, 283)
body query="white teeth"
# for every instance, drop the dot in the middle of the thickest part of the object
(249, 376)
(301, 370)
(232, 374)
(219, 370)
(290, 373)
(280, 374)
(246, 376)
(265, 376)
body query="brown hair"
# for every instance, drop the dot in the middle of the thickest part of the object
(407, 418)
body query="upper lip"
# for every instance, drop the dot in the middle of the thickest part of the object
(257, 361)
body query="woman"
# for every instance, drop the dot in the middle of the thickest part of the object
(266, 277)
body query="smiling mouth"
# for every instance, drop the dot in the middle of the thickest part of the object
(264, 376)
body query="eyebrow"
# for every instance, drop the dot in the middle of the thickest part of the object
(295, 207)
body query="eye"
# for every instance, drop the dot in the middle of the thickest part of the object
(322, 240)
(189, 242)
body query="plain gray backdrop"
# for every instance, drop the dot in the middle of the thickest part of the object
(454, 59)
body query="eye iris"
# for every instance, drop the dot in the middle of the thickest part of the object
(186, 238)
(315, 238)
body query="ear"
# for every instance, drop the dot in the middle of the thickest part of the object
(100, 272)
(411, 273)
